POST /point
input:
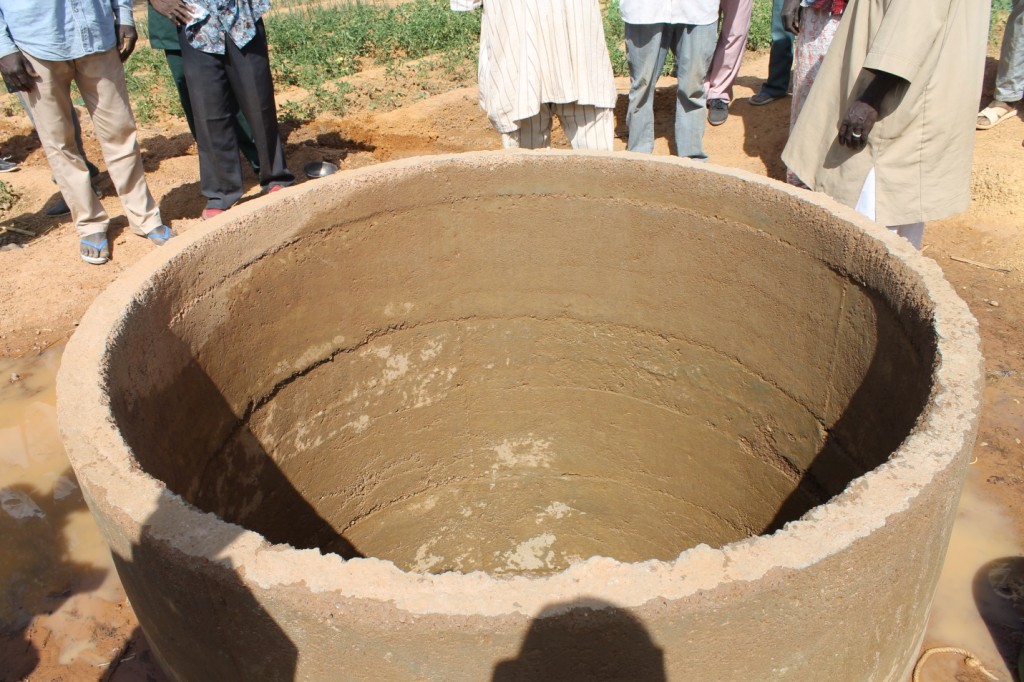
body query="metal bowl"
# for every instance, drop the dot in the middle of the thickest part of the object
(319, 169)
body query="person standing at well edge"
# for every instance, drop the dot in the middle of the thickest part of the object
(888, 128)
(163, 35)
(224, 53)
(44, 46)
(540, 59)
(780, 61)
(689, 29)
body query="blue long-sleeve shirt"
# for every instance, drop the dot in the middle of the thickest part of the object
(61, 30)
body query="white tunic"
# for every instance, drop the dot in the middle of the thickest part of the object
(540, 51)
(695, 12)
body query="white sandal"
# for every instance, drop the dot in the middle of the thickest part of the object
(994, 115)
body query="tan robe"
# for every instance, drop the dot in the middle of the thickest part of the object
(922, 146)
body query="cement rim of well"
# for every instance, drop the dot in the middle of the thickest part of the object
(108, 470)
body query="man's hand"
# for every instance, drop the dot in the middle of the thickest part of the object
(860, 118)
(126, 39)
(791, 10)
(176, 10)
(18, 72)
(863, 113)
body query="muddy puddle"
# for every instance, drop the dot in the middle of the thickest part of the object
(62, 609)
(63, 612)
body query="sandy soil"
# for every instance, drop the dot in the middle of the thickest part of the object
(45, 288)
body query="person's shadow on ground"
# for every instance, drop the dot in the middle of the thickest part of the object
(36, 572)
(765, 128)
(201, 619)
(583, 641)
(999, 596)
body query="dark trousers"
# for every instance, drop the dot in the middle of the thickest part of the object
(212, 79)
(780, 60)
(242, 130)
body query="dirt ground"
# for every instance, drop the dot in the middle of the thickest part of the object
(46, 288)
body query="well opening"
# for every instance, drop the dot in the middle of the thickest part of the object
(513, 368)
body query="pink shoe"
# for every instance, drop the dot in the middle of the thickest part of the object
(274, 188)
(210, 213)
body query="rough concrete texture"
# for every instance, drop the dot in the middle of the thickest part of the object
(528, 416)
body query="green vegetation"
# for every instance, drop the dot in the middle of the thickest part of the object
(8, 197)
(760, 36)
(314, 45)
(1000, 10)
(150, 85)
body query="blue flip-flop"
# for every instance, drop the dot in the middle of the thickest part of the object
(160, 235)
(94, 260)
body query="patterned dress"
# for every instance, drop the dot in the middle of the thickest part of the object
(818, 24)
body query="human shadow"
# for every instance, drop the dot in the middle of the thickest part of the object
(185, 200)
(37, 573)
(335, 140)
(156, 149)
(664, 114)
(135, 662)
(582, 641)
(28, 226)
(18, 147)
(765, 130)
(999, 596)
(989, 83)
(879, 415)
(185, 433)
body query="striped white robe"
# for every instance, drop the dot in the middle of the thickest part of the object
(534, 52)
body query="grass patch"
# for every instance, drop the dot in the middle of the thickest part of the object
(760, 35)
(8, 197)
(313, 45)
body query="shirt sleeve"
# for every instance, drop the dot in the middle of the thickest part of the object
(906, 36)
(466, 5)
(7, 45)
(122, 12)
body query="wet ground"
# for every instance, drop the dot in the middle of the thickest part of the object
(63, 609)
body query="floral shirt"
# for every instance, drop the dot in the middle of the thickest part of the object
(215, 21)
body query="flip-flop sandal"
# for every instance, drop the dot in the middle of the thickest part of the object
(94, 260)
(991, 116)
(162, 233)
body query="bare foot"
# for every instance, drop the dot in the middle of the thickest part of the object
(94, 248)
(995, 113)
(160, 235)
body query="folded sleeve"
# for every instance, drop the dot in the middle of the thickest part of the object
(906, 36)
(7, 45)
(466, 5)
(122, 12)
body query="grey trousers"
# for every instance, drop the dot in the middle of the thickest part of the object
(647, 46)
(1010, 75)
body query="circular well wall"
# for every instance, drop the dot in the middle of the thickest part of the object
(514, 363)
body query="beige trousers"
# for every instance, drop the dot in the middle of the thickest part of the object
(586, 126)
(100, 79)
